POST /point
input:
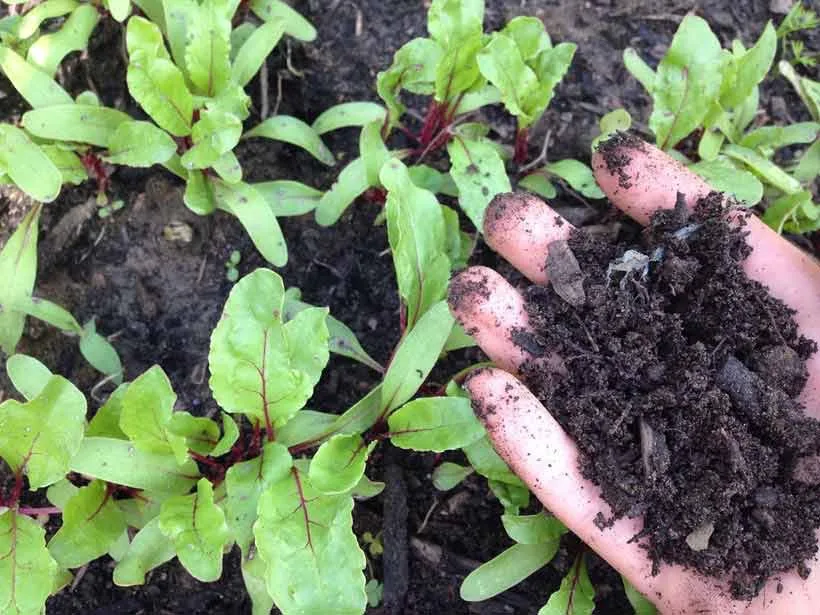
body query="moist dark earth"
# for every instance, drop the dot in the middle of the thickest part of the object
(677, 380)
(158, 299)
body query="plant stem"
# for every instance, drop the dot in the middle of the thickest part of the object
(45, 510)
(521, 145)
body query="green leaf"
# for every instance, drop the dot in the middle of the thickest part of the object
(245, 482)
(501, 63)
(536, 182)
(49, 50)
(765, 169)
(27, 374)
(216, 133)
(750, 67)
(722, 175)
(775, 137)
(710, 144)
(91, 524)
(39, 437)
(348, 114)
(159, 88)
(144, 35)
(486, 462)
(338, 465)
(578, 175)
(295, 25)
(178, 16)
(416, 355)
(342, 340)
(201, 434)
(197, 528)
(550, 67)
(457, 71)
(239, 36)
(415, 228)
(352, 182)
(18, 269)
(256, 365)
(68, 164)
(529, 35)
(99, 352)
(72, 122)
(687, 82)
(808, 166)
(793, 213)
(435, 424)
(487, 94)
(49, 312)
(745, 113)
(576, 596)
(139, 144)
(448, 475)
(451, 21)
(33, 19)
(360, 416)
(199, 193)
(314, 563)
(505, 570)
(512, 497)
(294, 131)
(366, 488)
(149, 548)
(106, 421)
(228, 168)
(373, 151)
(434, 181)
(208, 50)
(147, 407)
(535, 529)
(119, 9)
(639, 69)
(244, 202)
(289, 198)
(256, 48)
(612, 122)
(36, 87)
(639, 603)
(807, 89)
(27, 165)
(120, 462)
(253, 574)
(230, 434)
(27, 570)
(479, 173)
(413, 69)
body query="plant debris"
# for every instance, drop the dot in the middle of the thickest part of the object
(680, 390)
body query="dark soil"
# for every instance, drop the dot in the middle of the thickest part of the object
(159, 299)
(678, 383)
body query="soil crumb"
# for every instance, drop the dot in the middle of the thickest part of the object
(615, 153)
(680, 390)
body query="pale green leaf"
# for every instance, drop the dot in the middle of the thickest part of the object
(763, 168)
(295, 25)
(106, 421)
(373, 151)
(61, 492)
(639, 69)
(18, 269)
(27, 374)
(99, 352)
(639, 603)
(197, 528)
(487, 94)
(435, 181)
(366, 488)
(487, 462)
(539, 184)
(239, 36)
(208, 50)
(91, 524)
(294, 131)
(339, 463)
(795, 213)
(576, 596)
(808, 167)
(201, 434)
(307, 426)
(49, 312)
(139, 144)
(807, 89)
(413, 69)
(199, 194)
(749, 69)
(36, 87)
(144, 35)
(253, 574)
(416, 355)
(351, 182)
(314, 563)
(159, 88)
(119, 9)
(687, 82)
(512, 497)
(457, 71)
(479, 173)
(72, 122)
(149, 548)
(33, 19)
(501, 63)
(578, 175)
(178, 16)
(529, 35)
(435, 424)
(448, 475)
(120, 462)
(215, 134)
(27, 165)
(68, 164)
(230, 434)
(40, 436)
(618, 120)
(289, 198)
(535, 529)
(228, 168)
(723, 176)
(255, 50)
(451, 21)
(775, 137)
(710, 144)
(244, 202)
(27, 570)
(49, 50)
(550, 66)
(348, 114)
(415, 228)
(505, 570)
(362, 415)
(253, 360)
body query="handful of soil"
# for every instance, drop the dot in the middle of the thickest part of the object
(679, 385)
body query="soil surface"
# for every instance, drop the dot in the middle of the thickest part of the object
(158, 296)
(678, 381)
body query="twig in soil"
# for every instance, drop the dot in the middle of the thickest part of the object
(263, 91)
(296, 73)
(279, 78)
(198, 373)
(88, 252)
(95, 390)
(201, 273)
(427, 516)
(542, 157)
(78, 577)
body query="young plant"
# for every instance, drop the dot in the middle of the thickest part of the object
(18, 267)
(193, 92)
(702, 90)
(799, 18)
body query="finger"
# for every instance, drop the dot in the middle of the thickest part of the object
(493, 313)
(639, 178)
(543, 456)
(520, 227)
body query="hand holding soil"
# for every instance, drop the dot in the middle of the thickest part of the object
(690, 391)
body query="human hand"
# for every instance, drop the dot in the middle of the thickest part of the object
(533, 443)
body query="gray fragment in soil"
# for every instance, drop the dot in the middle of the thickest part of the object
(698, 539)
(565, 274)
(807, 470)
(654, 451)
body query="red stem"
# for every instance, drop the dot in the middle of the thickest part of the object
(45, 510)
(521, 145)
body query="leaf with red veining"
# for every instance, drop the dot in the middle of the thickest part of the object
(27, 570)
(576, 596)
